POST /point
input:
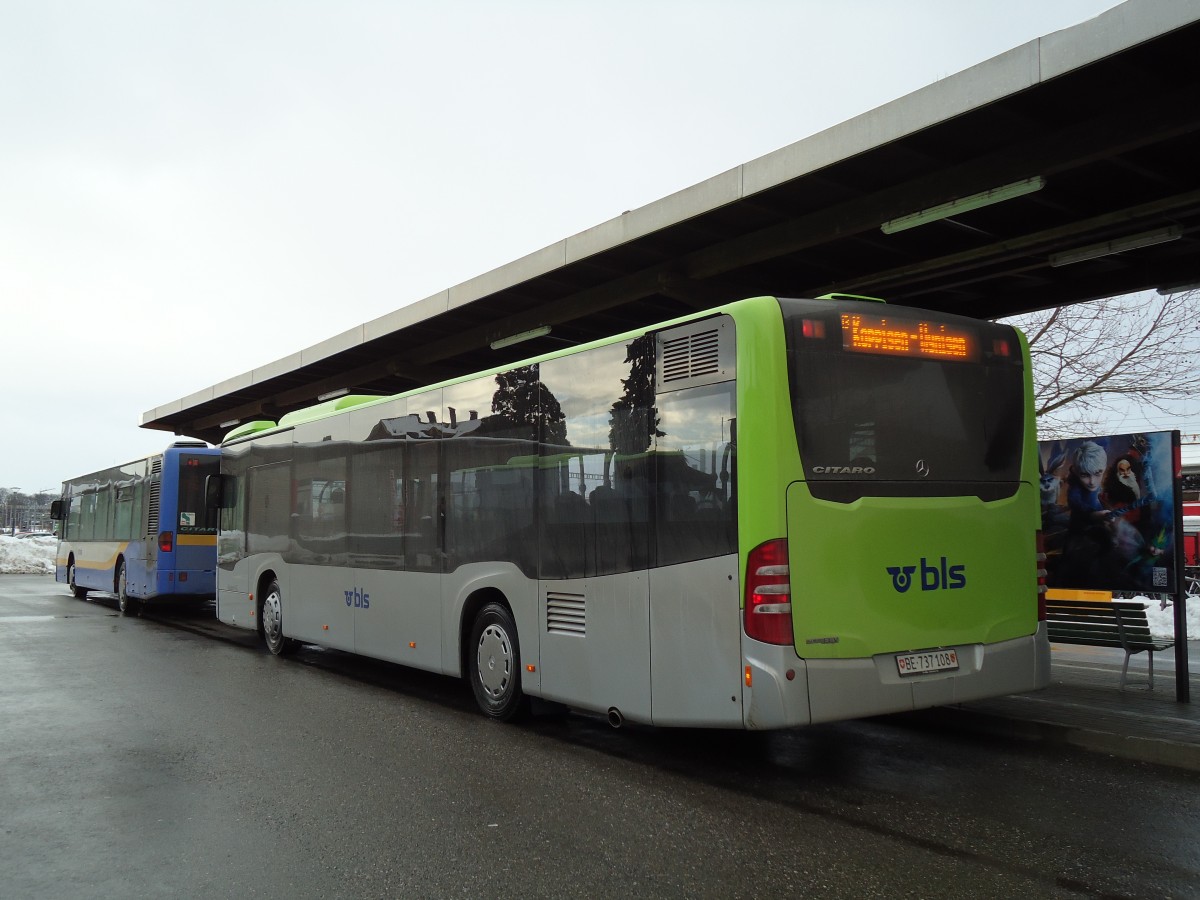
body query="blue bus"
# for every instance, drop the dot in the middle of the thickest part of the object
(141, 530)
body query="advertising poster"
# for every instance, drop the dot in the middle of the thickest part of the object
(1109, 512)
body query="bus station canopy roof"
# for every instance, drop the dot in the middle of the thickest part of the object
(1065, 170)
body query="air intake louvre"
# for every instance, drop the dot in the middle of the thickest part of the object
(566, 613)
(155, 491)
(696, 354)
(691, 356)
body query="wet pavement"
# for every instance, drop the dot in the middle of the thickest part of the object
(1084, 707)
(171, 756)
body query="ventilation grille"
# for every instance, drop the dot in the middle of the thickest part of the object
(691, 356)
(566, 613)
(696, 354)
(155, 492)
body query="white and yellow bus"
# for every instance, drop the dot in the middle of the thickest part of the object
(141, 531)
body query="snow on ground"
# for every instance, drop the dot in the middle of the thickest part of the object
(27, 555)
(35, 556)
(1162, 621)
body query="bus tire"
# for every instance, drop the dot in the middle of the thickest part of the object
(126, 605)
(271, 616)
(80, 593)
(494, 664)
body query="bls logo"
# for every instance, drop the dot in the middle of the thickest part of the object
(941, 576)
(357, 598)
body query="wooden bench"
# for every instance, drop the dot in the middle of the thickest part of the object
(1099, 623)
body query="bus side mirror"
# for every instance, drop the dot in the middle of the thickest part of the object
(58, 510)
(214, 492)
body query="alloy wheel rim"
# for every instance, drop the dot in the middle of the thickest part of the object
(272, 616)
(494, 661)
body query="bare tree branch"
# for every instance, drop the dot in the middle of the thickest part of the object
(1090, 360)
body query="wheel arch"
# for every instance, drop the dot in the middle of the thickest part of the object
(117, 572)
(80, 593)
(265, 577)
(476, 601)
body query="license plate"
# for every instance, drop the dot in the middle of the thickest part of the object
(931, 661)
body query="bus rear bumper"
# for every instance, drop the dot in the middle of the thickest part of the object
(187, 583)
(783, 691)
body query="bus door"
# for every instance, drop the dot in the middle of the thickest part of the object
(255, 530)
(231, 537)
(594, 588)
(695, 601)
(319, 603)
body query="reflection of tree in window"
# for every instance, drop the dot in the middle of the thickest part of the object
(632, 423)
(518, 401)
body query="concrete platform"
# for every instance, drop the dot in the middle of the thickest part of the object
(1084, 707)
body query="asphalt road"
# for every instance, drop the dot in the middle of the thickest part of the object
(159, 756)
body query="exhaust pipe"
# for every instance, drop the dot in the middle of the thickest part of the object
(615, 719)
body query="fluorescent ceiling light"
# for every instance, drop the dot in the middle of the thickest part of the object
(330, 395)
(1119, 245)
(540, 331)
(964, 204)
(230, 423)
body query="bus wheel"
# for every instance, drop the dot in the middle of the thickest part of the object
(126, 604)
(494, 664)
(271, 616)
(80, 593)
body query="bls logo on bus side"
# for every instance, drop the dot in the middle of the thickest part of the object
(358, 598)
(941, 576)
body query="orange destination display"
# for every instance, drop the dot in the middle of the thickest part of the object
(906, 337)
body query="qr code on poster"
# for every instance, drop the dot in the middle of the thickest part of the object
(1160, 577)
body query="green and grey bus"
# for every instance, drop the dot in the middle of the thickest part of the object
(775, 513)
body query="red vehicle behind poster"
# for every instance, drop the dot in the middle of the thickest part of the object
(1191, 537)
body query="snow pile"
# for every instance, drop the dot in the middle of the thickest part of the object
(27, 555)
(1162, 621)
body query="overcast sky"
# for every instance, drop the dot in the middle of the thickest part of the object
(192, 189)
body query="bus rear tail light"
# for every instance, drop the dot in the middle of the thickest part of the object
(768, 609)
(812, 328)
(166, 541)
(1041, 577)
